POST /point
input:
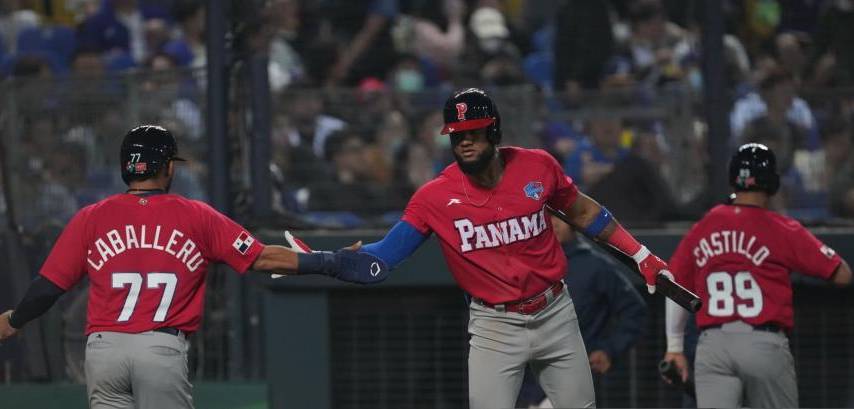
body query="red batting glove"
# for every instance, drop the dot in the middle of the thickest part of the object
(650, 266)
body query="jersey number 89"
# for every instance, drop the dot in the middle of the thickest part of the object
(721, 300)
(155, 280)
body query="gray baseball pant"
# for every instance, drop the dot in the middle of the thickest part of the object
(143, 371)
(737, 366)
(503, 343)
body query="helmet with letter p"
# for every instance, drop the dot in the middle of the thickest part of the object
(472, 109)
(754, 168)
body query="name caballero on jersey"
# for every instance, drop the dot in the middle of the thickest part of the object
(488, 235)
(116, 242)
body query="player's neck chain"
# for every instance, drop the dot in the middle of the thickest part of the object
(491, 190)
(468, 198)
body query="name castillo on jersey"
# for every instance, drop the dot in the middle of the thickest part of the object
(116, 242)
(729, 241)
(501, 233)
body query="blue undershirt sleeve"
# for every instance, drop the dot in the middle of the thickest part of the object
(398, 244)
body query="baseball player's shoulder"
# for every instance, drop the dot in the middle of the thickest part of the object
(784, 222)
(511, 153)
(103, 205)
(438, 186)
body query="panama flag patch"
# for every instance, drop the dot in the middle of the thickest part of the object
(243, 242)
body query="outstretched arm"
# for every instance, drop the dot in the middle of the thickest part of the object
(40, 296)
(398, 244)
(369, 265)
(586, 215)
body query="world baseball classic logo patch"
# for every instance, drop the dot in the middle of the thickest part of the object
(534, 190)
(243, 242)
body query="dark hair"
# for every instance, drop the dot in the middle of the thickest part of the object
(337, 140)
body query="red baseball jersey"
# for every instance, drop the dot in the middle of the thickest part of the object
(498, 242)
(738, 260)
(146, 259)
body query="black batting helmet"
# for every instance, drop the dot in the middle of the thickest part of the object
(754, 168)
(472, 109)
(145, 150)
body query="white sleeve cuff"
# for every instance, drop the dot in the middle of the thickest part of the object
(675, 319)
(641, 254)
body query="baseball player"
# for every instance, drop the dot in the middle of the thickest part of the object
(489, 212)
(146, 253)
(738, 259)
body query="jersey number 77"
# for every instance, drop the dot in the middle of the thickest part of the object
(153, 281)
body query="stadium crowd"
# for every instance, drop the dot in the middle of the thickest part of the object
(358, 86)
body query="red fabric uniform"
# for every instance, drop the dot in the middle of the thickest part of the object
(738, 260)
(146, 259)
(497, 242)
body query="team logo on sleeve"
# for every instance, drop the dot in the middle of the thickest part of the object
(534, 190)
(243, 242)
(827, 251)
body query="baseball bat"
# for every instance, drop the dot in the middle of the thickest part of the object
(680, 295)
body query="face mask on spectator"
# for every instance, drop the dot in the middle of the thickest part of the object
(408, 80)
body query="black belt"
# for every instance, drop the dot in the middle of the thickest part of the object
(171, 331)
(761, 327)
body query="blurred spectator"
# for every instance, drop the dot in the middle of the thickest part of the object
(778, 101)
(654, 50)
(171, 95)
(611, 312)
(636, 188)
(309, 125)
(840, 166)
(391, 135)
(583, 28)
(351, 188)
(88, 64)
(157, 33)
(598, 153)
(736, 60)
(406, 76)
(13, 19)
(119, 24)
(503, 69)
(560, 139)
(437, 33)
(791, 50)
(438, 146)
(364, 34)
(188, 47)
(490, 38)
(832, 59)
(413, 168)
(286, 65)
